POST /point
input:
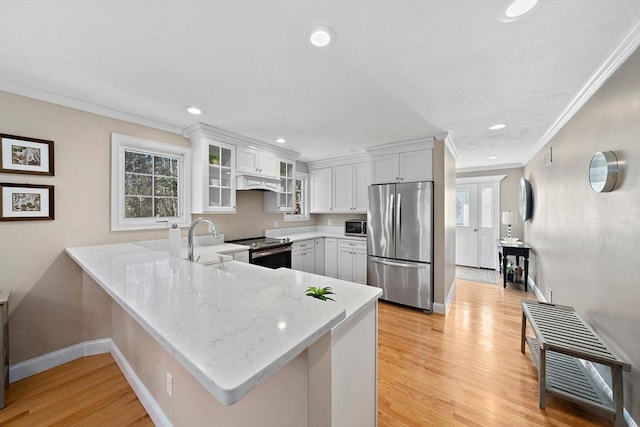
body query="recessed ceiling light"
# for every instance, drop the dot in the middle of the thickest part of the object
(492, 157)
(321, 36)
(498, 126)
(193, 110)
(281, 140)
(515, 9)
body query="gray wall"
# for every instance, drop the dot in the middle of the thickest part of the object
(585, 244)
(509, 195)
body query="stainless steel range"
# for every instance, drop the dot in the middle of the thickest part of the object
(267, 251)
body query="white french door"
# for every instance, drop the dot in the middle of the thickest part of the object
(477, 207)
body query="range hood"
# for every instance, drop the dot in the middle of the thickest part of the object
(253, 182)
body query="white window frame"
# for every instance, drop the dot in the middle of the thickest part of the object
(291, 217)
(120, 143)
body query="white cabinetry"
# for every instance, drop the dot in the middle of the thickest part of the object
(352, 261)
(406, 166)
(321, 183)
(341, 188)
(350, 184)
(257, 162)
(319, 256)
(303, 256)
(242, 256)
(213, 176)
(282, 199)
(331, 257)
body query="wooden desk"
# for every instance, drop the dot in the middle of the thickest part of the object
(518, 250)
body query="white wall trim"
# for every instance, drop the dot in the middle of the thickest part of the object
(156, 414)
(591, 369)
(478, 179)
(442, 308)
(490, 168)
(56, 358)
(77, 104)
(620, 54)
(448, 142)
(536, 290)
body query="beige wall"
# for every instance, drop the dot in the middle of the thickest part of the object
(46, 305)
(509, 195)
(443, 222)
(585, 244)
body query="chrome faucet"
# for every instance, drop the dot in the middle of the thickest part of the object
(195, 222)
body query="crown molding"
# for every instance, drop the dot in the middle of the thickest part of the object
(617, 57)
(339, 161)
(77, 104)
(490, 168)
(394, 147)
(448, 142)
(204, 130)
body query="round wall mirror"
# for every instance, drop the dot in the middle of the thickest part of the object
(603, 171)
(526, 201)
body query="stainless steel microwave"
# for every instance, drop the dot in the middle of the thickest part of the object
(355, 227)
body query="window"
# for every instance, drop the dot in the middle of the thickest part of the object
(149, 184)
(300, 199)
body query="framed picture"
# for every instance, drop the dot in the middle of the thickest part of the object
(26, 155)
(25, 202)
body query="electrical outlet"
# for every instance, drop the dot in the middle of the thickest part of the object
(329, 221)
(169, 384)
(547, 293)
(275, 224)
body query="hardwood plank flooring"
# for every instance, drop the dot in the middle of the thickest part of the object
(464, 369)
(85, 392)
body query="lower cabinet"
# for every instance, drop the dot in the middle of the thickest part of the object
(319, 256)
(242, 256)
(352, 261)
(331, 257)
(303, 256)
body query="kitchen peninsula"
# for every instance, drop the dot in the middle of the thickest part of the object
(239, 346)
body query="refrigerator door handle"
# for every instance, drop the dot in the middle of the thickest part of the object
(399, 232)
(397, 264)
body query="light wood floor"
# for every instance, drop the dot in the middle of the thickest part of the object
(464, 369)
(86, 392)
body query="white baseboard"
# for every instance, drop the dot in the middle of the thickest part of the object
(51, 360)
(442, 308)
(536, 290)
(606, 389)
(156, 414)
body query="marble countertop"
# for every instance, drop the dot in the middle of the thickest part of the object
(229, 328)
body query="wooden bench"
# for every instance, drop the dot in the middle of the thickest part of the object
(561, 339)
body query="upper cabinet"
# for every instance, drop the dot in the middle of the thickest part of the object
(257, 162)
(410, 161)
(213, 180)
(321, 190)
(407, 166)
(341, 188)
(350, 184)
(282, 199)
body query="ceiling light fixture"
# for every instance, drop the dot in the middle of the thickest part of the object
(321, 36)
(516, 9)
(498, 126)
(193, 110)
(492, 157)
(281, 140)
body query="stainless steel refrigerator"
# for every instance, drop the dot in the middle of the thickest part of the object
(399, 242)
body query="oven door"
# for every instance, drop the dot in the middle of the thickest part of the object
(272, 258)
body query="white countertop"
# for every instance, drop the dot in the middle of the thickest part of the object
(229, 328)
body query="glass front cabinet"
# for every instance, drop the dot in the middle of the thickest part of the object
(283, 199)
(214, 176)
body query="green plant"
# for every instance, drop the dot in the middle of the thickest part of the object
(214, 159)
(320, 293)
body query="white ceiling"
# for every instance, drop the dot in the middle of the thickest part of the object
(398, 70)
